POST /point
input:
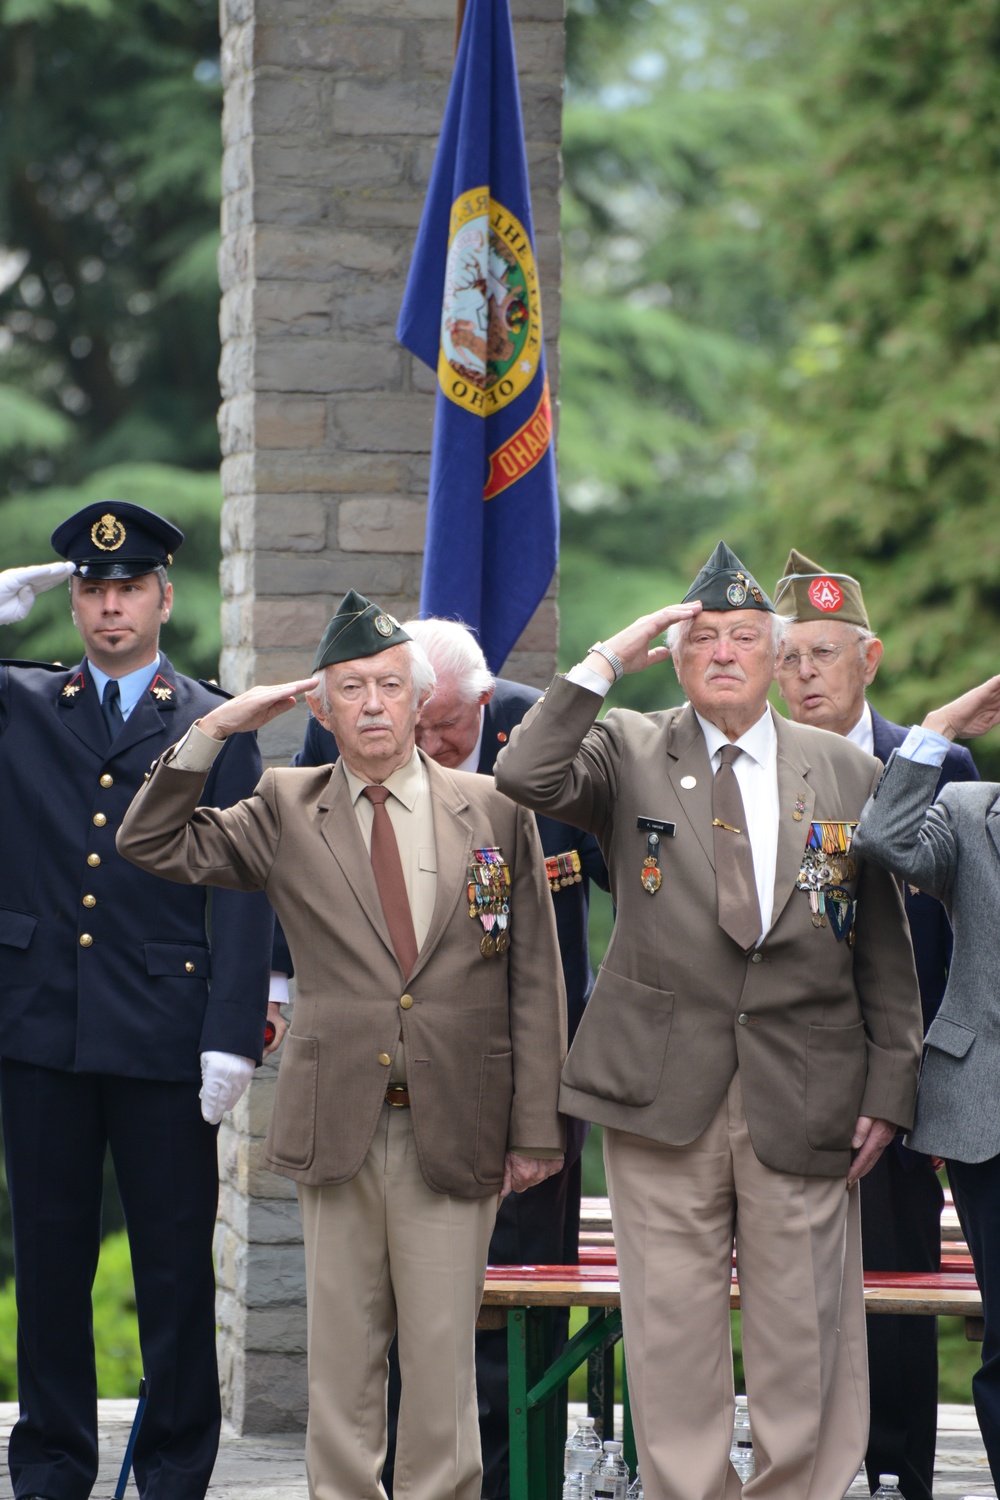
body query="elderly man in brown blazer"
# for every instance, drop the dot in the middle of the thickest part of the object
(420, 1074)
(751, 1043)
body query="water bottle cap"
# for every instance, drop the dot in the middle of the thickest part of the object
(888, 1479)
(587, 1421)
(612, 1446)
(741, 1401)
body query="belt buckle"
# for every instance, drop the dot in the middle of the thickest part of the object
(398, 1095)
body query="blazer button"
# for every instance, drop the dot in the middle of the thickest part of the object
(93, 860)
(86, 941)
(107, 780)
(90, 900)
(755, 958)
(406, 1001)
(384, 1059)
(189, 967)
(743, 1018)
(99, 820)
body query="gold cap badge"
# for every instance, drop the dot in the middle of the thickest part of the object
(108, 533)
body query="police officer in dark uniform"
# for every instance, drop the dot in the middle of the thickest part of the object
(113, 1009)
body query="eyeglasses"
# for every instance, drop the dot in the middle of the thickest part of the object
(820, 656)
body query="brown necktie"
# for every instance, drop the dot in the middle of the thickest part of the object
(739, 909)
(389, 879)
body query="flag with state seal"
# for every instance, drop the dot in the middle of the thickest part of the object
(472, 312)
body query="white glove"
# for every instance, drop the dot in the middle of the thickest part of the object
(225, 1078)
(18, 587)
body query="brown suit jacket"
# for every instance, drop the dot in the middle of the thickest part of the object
(821, 1031)
(484, 1037)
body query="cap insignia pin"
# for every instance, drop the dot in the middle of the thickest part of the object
(108, 533)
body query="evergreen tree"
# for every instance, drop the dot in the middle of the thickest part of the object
(883, 456)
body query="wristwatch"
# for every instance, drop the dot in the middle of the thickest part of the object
(612, 658)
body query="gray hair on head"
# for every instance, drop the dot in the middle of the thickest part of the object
(456, 654)
(422, 675)
(680, 631)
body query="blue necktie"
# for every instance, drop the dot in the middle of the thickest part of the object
(111, 708)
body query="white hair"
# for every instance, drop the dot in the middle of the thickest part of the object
(456, 654)
(422, 675)
(680, 631)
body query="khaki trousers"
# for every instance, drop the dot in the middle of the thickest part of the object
(676, 1212)
(384, 1252)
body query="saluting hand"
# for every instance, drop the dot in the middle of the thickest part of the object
(974, 713)
(18, 587)
(633, 645)
(254, 708)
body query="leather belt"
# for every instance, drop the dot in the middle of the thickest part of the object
(398, 1095)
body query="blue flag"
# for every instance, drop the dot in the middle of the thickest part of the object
(472, 311)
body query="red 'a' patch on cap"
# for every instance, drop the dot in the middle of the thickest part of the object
(826, 595)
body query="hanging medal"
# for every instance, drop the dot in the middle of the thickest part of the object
(488, 891)
(650, 874)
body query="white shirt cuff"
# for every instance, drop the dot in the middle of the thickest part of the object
(585, 677)
(925, 746)
(277, 993)
(196, 751)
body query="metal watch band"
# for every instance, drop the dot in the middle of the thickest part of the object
(612, 658)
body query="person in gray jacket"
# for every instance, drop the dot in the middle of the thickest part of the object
(950, 848)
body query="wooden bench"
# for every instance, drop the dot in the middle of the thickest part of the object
(524, 1297)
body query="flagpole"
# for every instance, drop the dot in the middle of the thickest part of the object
(459, 18)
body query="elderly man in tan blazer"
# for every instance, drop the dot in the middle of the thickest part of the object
(420, 1075)
(750, 1046)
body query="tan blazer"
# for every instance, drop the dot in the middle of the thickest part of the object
(484, 1037)
(821, 1031)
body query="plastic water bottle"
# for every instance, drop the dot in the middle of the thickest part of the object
(583, 1449)
(610, 1481)
(741, 1452)
(888, 1488)
(635, 1489)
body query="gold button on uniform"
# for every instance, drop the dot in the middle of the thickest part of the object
(384, 1059)
(85, 940)
(90, 900)
(93, 860)
(406, 1001)
(189, 967)
(99, 820)
(107, 780)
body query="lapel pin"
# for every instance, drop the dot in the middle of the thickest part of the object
(800, 808)
(687, 782)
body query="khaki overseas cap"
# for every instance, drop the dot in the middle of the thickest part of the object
(807, 592)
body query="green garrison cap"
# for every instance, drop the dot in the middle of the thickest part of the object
(807, 592)
(724, 583)
(359, 628)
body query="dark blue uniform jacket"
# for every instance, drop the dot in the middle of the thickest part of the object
(104, 968)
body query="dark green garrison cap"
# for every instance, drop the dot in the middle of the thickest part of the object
(359, 628)
(724, 583)
(807, 592)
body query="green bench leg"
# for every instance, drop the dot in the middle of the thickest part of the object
(534, 1467)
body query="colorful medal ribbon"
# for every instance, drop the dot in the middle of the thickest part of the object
(826, 868)
(489, 899)
(563, 869)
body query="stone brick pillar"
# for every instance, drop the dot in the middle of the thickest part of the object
(332, 109)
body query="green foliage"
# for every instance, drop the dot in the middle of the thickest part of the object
(671, 304)
(116, 1329)
(192, 501)
(109, 185)
(882, 455)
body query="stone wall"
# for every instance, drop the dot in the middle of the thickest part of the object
(331, 114)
